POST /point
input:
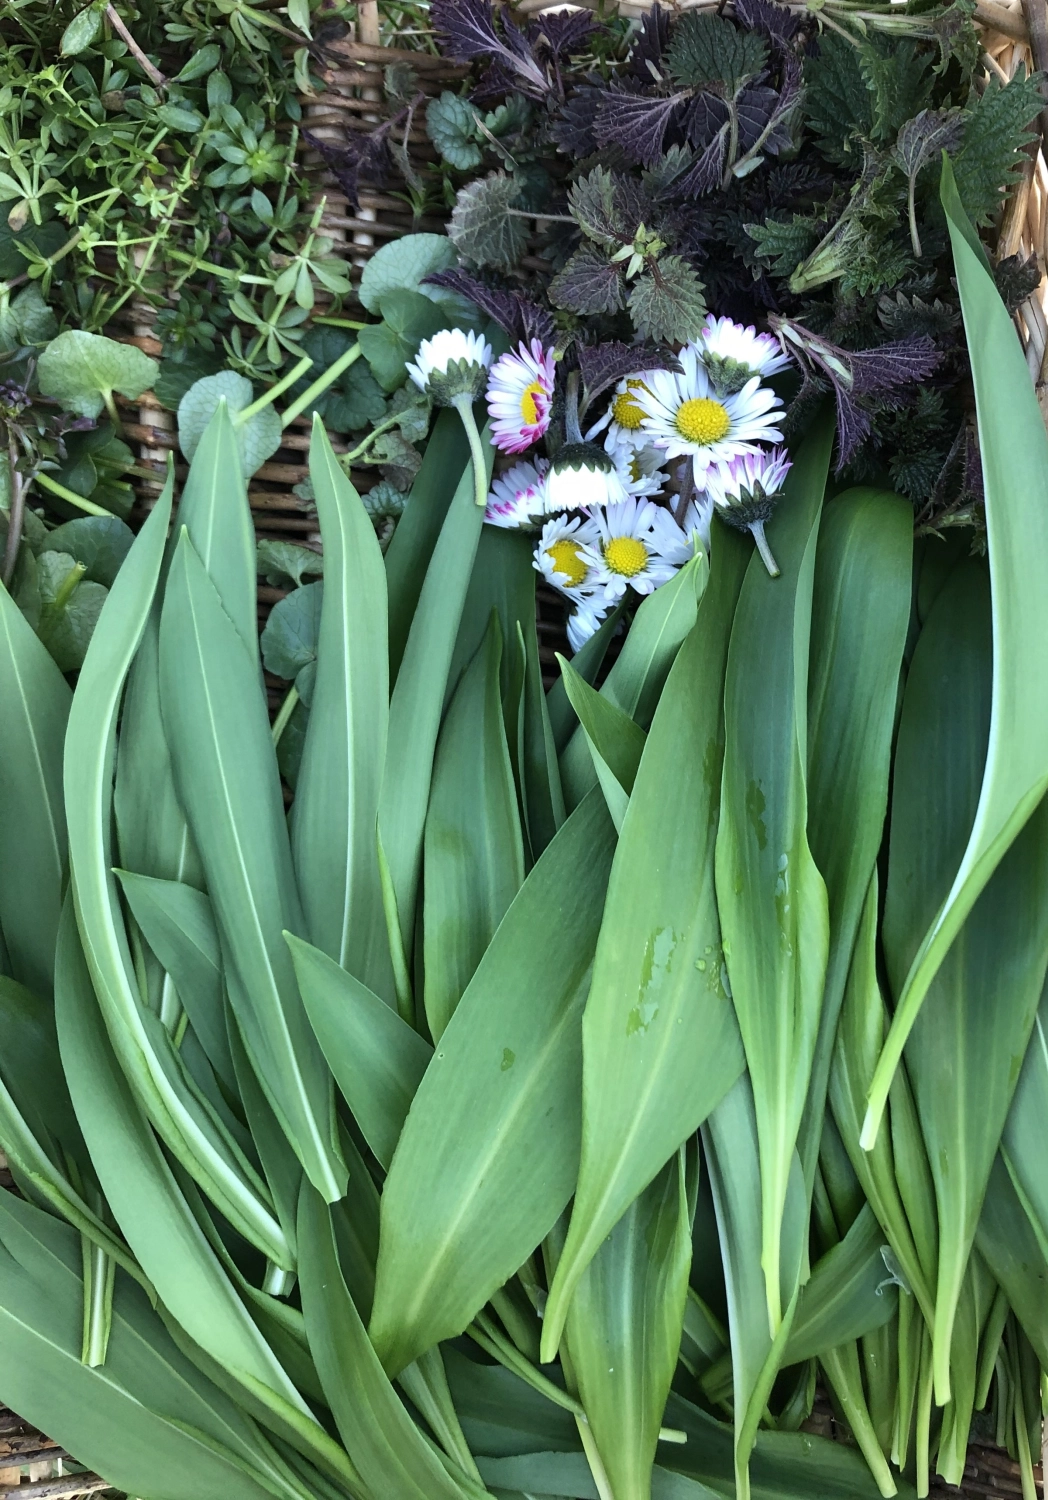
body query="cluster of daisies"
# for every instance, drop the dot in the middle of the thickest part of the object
(618, 507)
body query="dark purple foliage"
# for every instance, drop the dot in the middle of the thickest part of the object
(360, 156)
(564, 33)
(637, 123)
(707, 170)
(573, 125)
(602, 365)
(651, 43)
(522, 319)
(467, 30)
(775, 21)
(705, 117)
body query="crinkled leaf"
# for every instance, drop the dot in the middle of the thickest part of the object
(564, 31)
(589, 283)
(666, 302)
(636, 122)
(707, 49)
(451, 125)
(27, 319)
(82, 370)
(257, 439)
(467, 30)
(355, 399)
(593, 200)
(280, 561)
(522, 319)
(98, 543)
(706, 172)
(404, 264)
(923, 138)
(603, 364)
(481, 227)
(990, 158)
(898, 78)
(768, 18)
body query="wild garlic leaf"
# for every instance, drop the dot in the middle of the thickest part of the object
(482, 229)
(666, 303)
(289, 640)
(451, 125)
(257, 439)
(589, 283)
(82, 370)
(708, 49)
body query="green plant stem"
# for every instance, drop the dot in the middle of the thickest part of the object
(99, 1275)
(270, 395)
(464, 406)
(354, 453)
(767, 558)
(14, 520)
(151, 71)
(320, 385)
(340, 323)
(71, 497)
(287, 708)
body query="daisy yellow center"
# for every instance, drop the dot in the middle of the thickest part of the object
(702, 420)
(636, 472)
(567, 561)
(529, 406)
(625, 409)
(626, 556)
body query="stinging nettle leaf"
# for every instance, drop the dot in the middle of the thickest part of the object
(589, 283)
(82, 370)
(667, 302)
(709, 50)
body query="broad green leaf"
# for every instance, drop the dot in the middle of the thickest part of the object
(178, 924)
(98, 543)
(972, 1031)
(377, 1059)
(843, 1373)
(860, 616)
(407, 319)
(142, 1191)
(1024, 1130)
(257, 439)
(34, 707)
(587, 663)
(503, 580)
(226, 776)
(1011, 1248)
(771, 897)
(1014, 450)
(489, 1154)
(417, 703)
(281, 563)
(69, 609)
(473, 852)
(147, 1421)
(538, 769)
(392, 1455)
(660, 1041)
(615, 742)
(336, 799)
(82, 370)
(402, 264)
(289, 640)
(848, 1294)
(624, 1329)
(635, 681)
(147, 1056)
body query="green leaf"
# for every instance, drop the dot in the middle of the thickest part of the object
(481, 228)
(82, 370)
(849, 1293)
(489, 1154)
(281, 562)
(1014, 449)
(615, 742)
(402, 264)
(898, 75)
(337, 796)
(771, 897)
(541, 794)
(178, 117)
(407, 318)
(975, 1023)
(98, 543)
(473, 849)
(1012, 1250)
(226, 774)
(1025, 1127)
(82, 32)
(1001, 122)
(451, 124)
(377, 1059)
(838, 104)
(354, 400)
(69, 609)
(34, 707)
(257, 439)
(289, 640)
(666, 303)
(202, 61)
(27, 319)
(709, 49)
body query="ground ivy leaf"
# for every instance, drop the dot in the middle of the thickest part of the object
(282, 562)
(257, 439)
(82, 370)
(708, 49)
(666, 302)
(452, 127)
(589, 283)
(482, 228)
(289, 640)
(404, 264)
(67, 616)
(98, 543)
(407, 319)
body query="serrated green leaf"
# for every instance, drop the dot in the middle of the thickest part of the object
(481, 228)
(452, 127)
(257, 439)
(1000, 123)
(588, 283)
(82, 370)
(708, 49)
(667, 302)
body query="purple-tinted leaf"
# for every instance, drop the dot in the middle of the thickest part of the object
(564, 32)
(853, 427)
(589, 283)
(770, 19)
(573, 127)
(654, 37)
(895, 364)
(706, 117)
(637, 123)
(466, 29)
(756, 106)
(496, 81)
(359, 156)
(522, 319)
(602, 365)
(707, 170)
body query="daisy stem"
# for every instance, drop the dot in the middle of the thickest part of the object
(572, 431)
(464, 406)
(757, 532)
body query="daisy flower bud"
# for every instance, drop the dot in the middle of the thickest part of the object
(734, 354)
(520, 397)
(583, 475)
(451, 364)
(518, 497)
(685, 415)
(745, 491)
(637, 545)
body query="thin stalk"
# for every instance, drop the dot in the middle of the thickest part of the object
(320, 385)
(340, 323)
(71, 497)
(593, 1458)
(486, 1336)
(464, 406)
(922, 1441)
(151, 71)
(767, 558)
(111, 408)
(99, 1274)
(277, 1282)
(911, 204)
(267, 397)
(362, 447)
(287, 708)
(17, 514)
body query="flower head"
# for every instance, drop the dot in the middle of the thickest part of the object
(637, 545)
(518, 497)
(583, 475)
(685, 415)
(520, 397)
(625, 416)
(560, 558)
(637, 467)
(452, 363)
(584, 621)
(734, 354)
(745, 491)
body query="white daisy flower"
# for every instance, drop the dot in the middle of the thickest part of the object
(560, 558)
(584, 621)
(624, 415)
(638, 545)
(684, 415)
(451, 363)
(757, 353)
(696, 522)
(745, 491)
(638, 468)
(518, 497)
(520, 397)
(581, 476)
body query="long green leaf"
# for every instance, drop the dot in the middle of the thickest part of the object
(1014, 450)
(1010, 1247)
(538, 769)
(34, 707)
(474, 848)
(335, 810)
(615, 742)
(973, 1028)
(1022, 1143)
(489, 1155)
(771, 897)
(660, 1040)
(848, 1294)
(226, 774)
